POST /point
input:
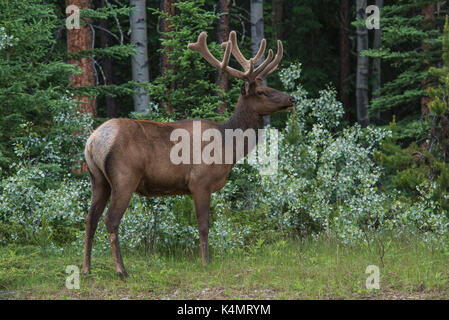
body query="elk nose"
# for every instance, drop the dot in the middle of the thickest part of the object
(293, 101)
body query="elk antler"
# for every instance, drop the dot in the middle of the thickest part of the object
(239, 56)
(275, 63)
(250, 74)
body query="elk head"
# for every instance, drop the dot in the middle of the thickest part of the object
(262, 99)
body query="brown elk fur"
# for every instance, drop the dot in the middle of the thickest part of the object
(125, 156)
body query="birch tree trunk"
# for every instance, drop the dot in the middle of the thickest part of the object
(362, 75)
(139, 61)
(257, 33)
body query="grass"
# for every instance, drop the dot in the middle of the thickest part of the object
(312, 269)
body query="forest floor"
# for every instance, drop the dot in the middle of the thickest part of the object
(283, 270)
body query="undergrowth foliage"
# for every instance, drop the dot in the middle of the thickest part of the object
(44, 194)
(328, 183)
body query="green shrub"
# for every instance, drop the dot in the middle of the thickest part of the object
(12, 232)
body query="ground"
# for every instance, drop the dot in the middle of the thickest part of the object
(315, 269)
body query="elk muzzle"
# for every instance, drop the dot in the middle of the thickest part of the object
(293, 101)
(290, 103)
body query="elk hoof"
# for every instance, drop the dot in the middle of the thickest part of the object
(123, 274)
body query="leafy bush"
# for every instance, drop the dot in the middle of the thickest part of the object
(323, 168)
(43, 193)
(328, 179)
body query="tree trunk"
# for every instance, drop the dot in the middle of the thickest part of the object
(427, 13)
(377, 71)
(257, 33)
(78, 40)
(345, 56)
(139, 60)
(362, 67)
(277, 18)
(111, 102)
(167, 7)
(221, 78)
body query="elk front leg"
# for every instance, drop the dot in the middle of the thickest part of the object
(202, 207)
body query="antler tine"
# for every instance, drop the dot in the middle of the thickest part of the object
(250, 72)
(201, 47)
(261, 51)
(236, 51)
(226, 57)
(274, 64)
(264, 64)
(238, 54)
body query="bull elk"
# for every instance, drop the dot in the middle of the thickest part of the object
(126, 156)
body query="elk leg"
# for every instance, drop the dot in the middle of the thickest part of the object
(100, 196)
(119, 203)
(202, 207)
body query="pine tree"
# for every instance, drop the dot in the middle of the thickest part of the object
(439, 104)
(195, 93)
(310, 36)
(166, 10)
(33, 75)
(410, 41)
(107, 62)
(118, 50)
(345, 55)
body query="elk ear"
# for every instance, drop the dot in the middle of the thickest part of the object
(248, 89)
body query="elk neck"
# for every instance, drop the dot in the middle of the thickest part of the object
(243, 118)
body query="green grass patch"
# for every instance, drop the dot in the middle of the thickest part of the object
(293, 269)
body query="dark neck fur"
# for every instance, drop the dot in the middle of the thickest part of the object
(243, 118)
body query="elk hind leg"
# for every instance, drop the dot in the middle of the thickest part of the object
(119, 202)
(100, 195)
(202, 206)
